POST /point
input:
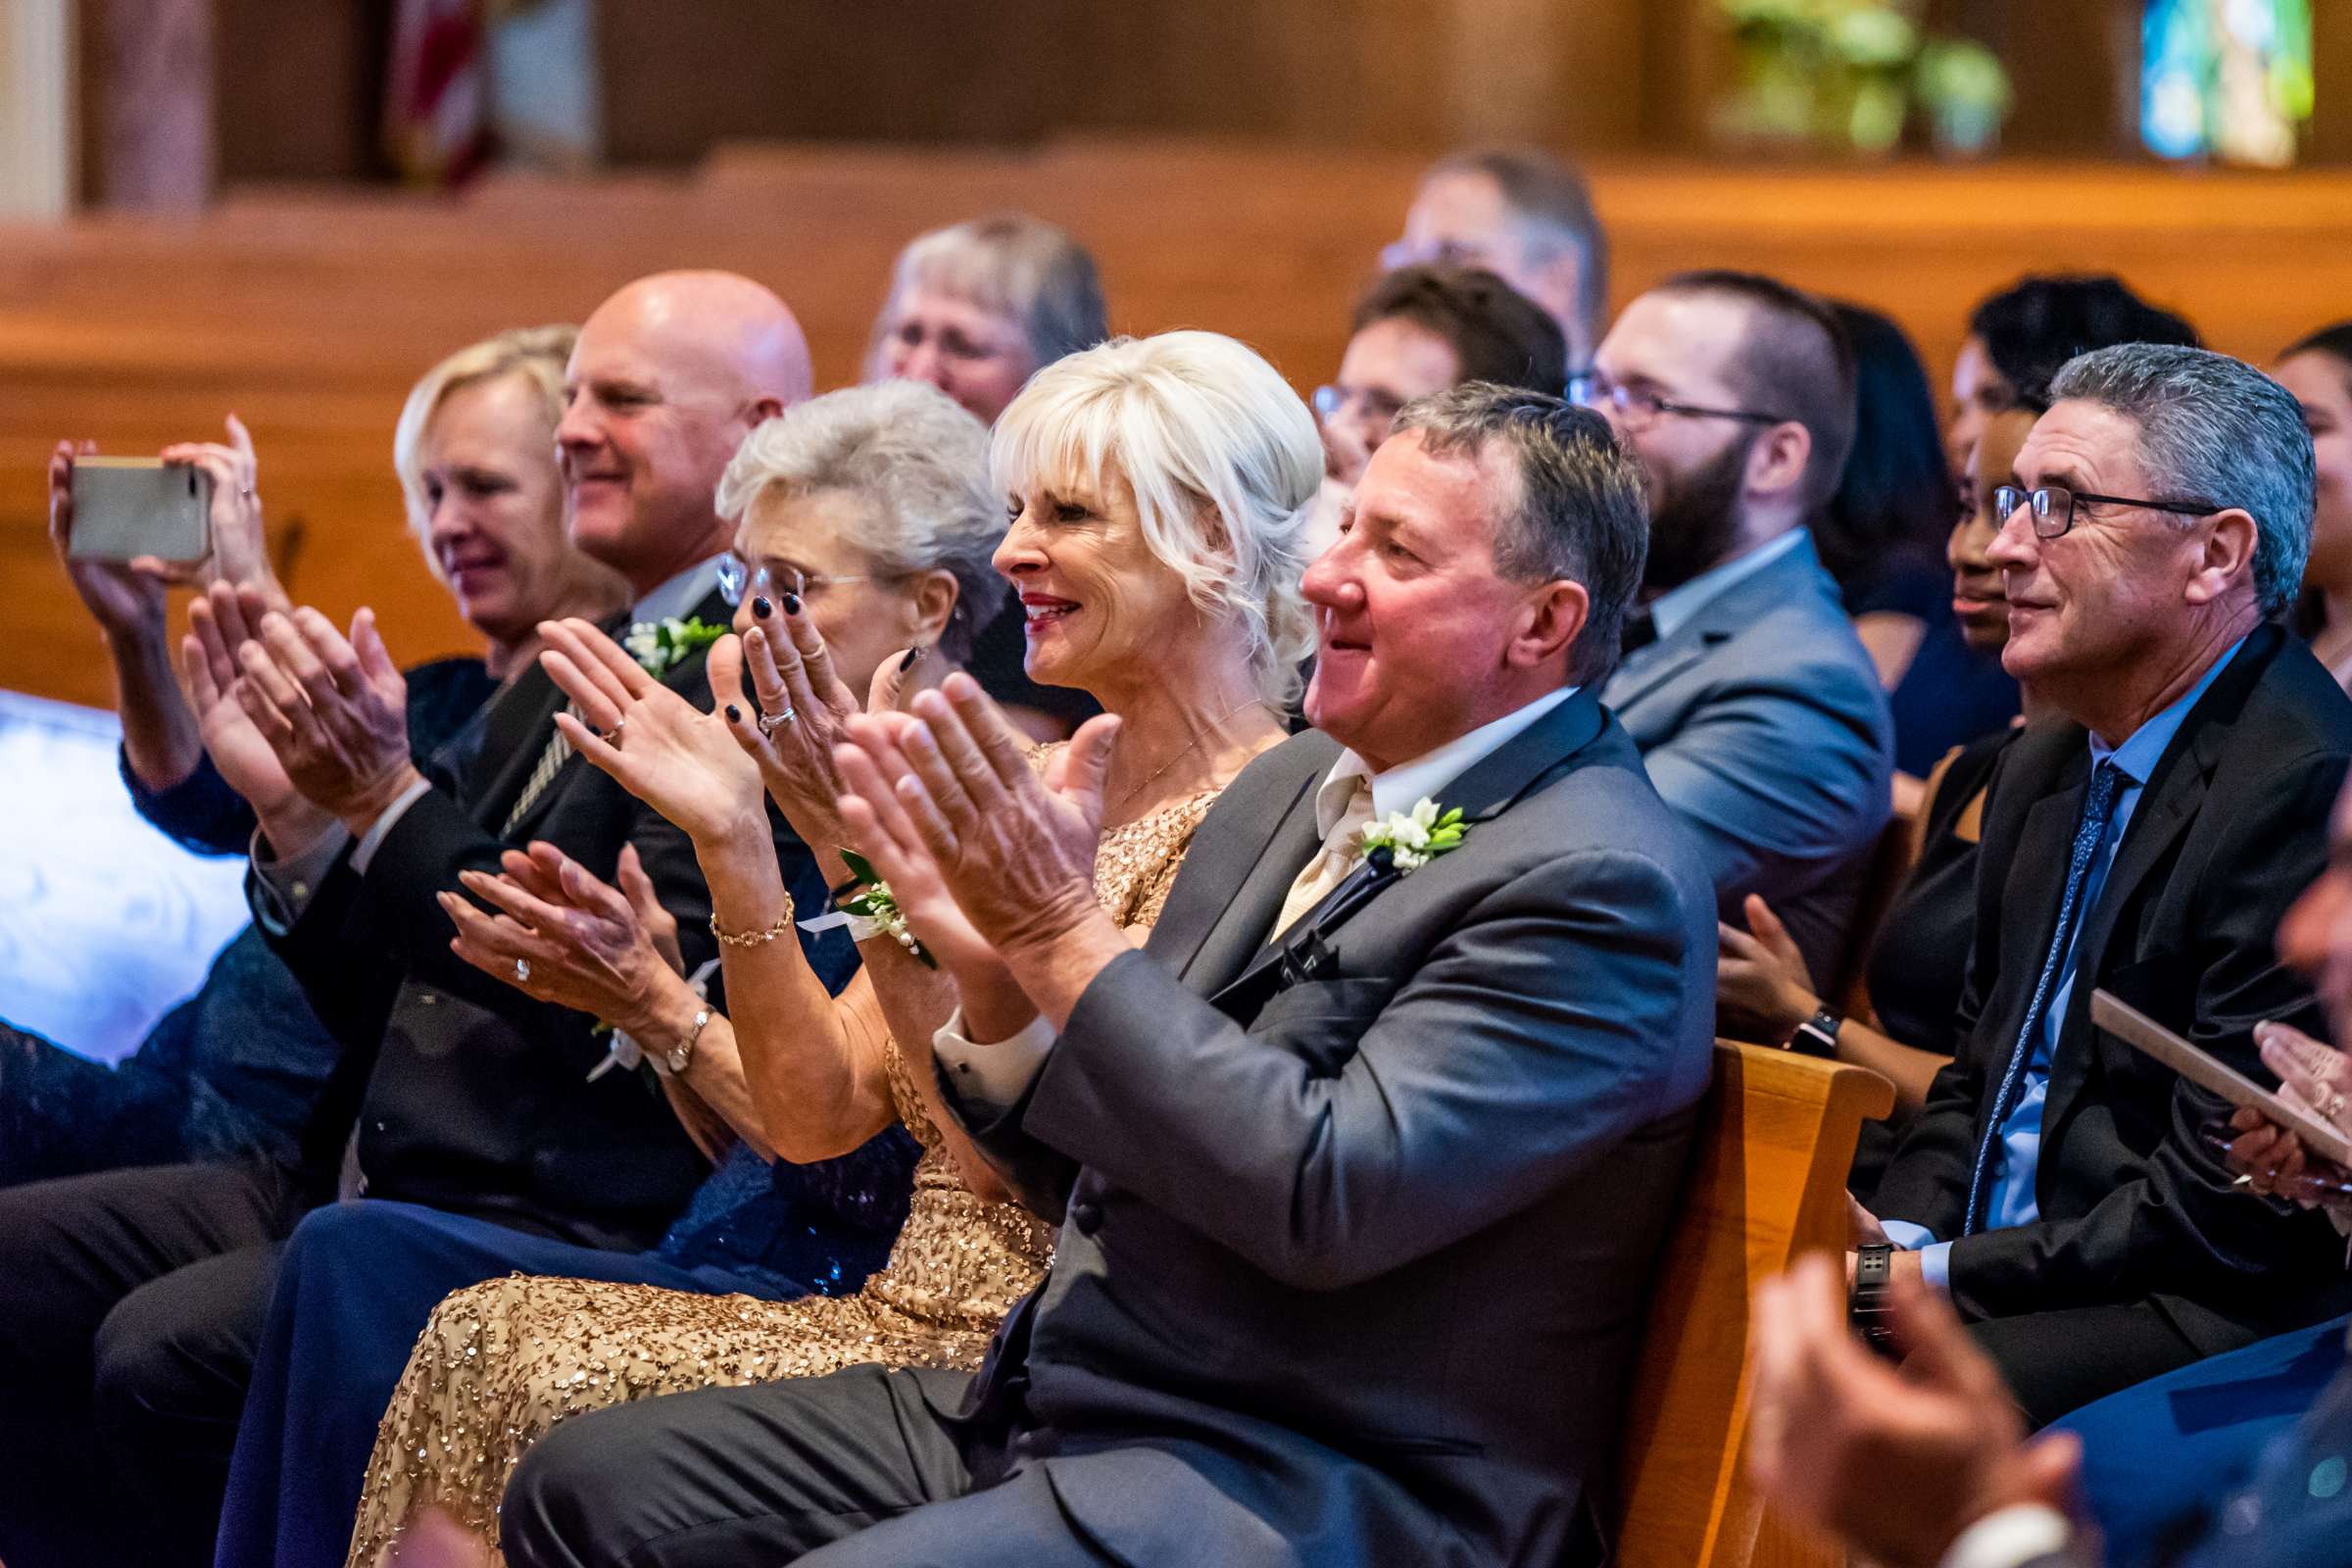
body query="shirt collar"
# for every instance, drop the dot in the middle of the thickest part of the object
(674, 598)
(1674, 607)
(2137, 757)
(1403, 786)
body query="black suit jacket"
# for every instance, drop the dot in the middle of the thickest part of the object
(2230, 827)
(475, 1097)
(1354, 1260)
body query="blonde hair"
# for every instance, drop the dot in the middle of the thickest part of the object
(537, 354)
(919, 464)
(1222, 457)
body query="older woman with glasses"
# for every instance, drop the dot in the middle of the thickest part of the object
(1158, 490)
(867, 515)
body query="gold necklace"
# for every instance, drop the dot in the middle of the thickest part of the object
(1253, 702)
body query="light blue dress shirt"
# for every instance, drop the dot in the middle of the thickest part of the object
(2013, 1201)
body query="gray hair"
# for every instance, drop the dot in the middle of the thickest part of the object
(1552, 206)
(2218, 432)
(1580, 512)
(920, 464)
(1012, 264)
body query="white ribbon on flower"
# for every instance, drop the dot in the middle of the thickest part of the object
(624, 1053)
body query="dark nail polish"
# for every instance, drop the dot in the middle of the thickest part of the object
(792, 604)
(761, 607)
(734, 714)
(914, 657)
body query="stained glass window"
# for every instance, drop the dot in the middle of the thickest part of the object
(2228, 80)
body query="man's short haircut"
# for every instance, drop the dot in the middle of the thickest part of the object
(1496, 334)
(1015, 266)
(537, 354)
(1580, 512)
(2216, 432)
(917, 465)
(2041, 321)
(1794, 361)
(1554, 210)
(2335, 341)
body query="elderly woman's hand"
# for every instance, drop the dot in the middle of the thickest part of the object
(240, 554)
(1762, 988)
(2314, 1077)
(797, 720)
(878, 825)
(565, 936)
(655, 744)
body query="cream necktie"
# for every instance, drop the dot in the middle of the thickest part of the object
(1341, 847)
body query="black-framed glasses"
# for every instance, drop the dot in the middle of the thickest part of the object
(739, 579)
(1638, 410)
(2053, 505)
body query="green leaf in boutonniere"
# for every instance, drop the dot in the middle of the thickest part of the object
(1412, 839)
(873, 912)
(661, 646)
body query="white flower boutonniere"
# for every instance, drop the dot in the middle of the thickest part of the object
(869, 910)
(660, 645)
(1412, 839)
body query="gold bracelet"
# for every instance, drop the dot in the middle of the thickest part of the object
(754, 939)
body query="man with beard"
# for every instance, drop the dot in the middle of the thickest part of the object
(1756, 709)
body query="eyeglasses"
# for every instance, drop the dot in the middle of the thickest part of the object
(1638, 410)
(1378, 408)
(2053, 507)
(738, 580)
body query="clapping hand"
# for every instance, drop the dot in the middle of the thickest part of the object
(658, 746)
(1015, 851)
(791, 730)
(2316, 1078)
(335, 711)
(565, 936)
(1896, 1463)
(209, 669)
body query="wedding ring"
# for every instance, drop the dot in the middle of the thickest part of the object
(770, 722)
(2332, 1107)
(523, 971)
(613, 735)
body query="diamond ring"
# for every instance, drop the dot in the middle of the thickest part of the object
(770, 722)
(523, 971)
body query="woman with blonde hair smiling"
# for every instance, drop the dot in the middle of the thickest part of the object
(1156, 489)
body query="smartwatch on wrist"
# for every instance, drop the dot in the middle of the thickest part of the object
(1867, 1310)
(1817, 1035)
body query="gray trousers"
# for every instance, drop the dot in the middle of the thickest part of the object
(864, 1467)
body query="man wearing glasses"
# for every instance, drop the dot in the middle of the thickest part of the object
(2059, 1186)
(1757, 712)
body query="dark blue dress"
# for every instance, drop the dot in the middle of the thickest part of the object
(232, 1072)
(360, 1279)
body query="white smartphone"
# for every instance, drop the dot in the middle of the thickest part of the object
(125, 508)
(2137, 1030)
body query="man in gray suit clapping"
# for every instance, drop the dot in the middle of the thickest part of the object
(1363, 1160)
(1757, 712)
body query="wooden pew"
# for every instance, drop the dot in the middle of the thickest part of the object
(309, 311)
(1767, 1183)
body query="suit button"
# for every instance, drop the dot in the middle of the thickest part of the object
(428, 997)
(1088, 1217)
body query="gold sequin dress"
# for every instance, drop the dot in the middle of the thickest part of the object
(500, 1363)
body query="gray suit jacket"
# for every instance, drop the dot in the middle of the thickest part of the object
(1763, 723)
(1360, 1225)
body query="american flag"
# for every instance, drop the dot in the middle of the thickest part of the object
(437, 99)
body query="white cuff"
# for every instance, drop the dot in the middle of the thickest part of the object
(995, 1075)
(287, 885)
(382, 828)
(2020, 1534)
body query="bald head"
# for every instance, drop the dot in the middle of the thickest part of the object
(669, 375)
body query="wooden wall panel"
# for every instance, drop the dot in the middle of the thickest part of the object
(308, 315)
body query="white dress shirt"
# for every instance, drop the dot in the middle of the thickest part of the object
(1677, 604)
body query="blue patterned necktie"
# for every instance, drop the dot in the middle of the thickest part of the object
(2098, 808)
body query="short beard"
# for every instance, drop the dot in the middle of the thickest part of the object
(1696, 518)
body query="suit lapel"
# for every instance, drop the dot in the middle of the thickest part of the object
(2034, 886)
(515, 731)
(1484, 791)
(1713, 623)
(1228, 942)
